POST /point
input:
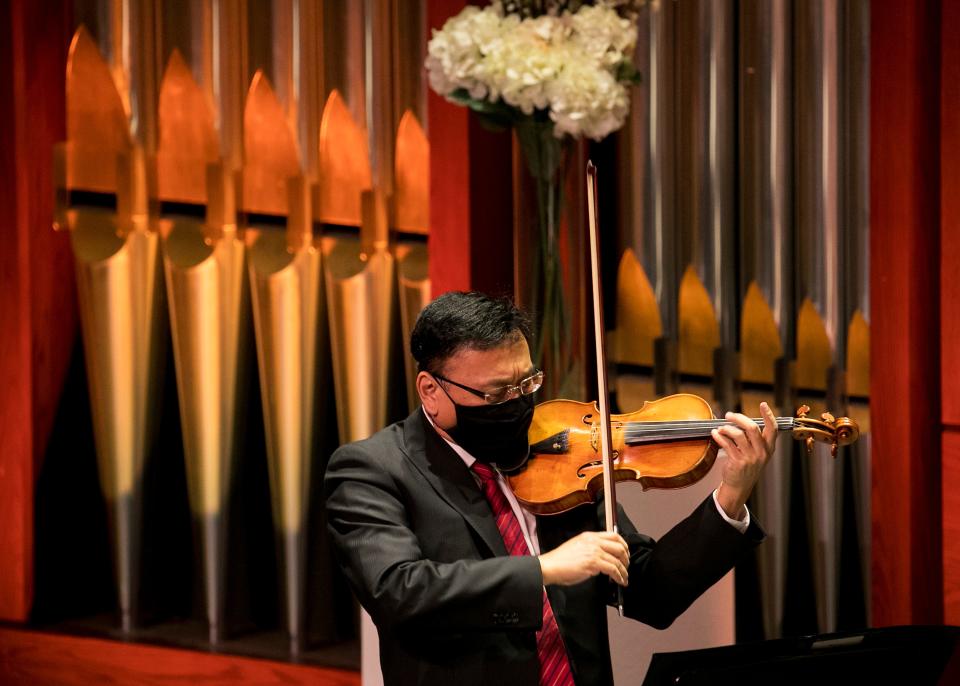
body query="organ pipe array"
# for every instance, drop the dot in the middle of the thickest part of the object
(247, 182)
(249, 220)
(743, 250)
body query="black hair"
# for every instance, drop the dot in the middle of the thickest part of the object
(457, 320)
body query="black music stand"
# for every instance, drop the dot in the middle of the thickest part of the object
(896, 655)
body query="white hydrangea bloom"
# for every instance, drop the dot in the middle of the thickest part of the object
(587, 101)
(525, 62)
(565, 65)
(603, 35)
(456, 52)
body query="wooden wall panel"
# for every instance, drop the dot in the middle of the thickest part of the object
(16, 440)
(37, 299)
(950, 302)
(904, 297)
(951, 526)
(28, 657)
(54, 320)
(950, 211)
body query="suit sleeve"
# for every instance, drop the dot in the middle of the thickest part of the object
(666, 576)
(383, 561)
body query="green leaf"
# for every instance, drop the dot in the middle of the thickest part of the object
(627, 73)
(495, 116)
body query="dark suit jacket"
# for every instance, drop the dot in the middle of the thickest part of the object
(419, 545)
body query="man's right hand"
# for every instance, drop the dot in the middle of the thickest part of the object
(584, 556)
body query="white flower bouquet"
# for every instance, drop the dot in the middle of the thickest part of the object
(566, 62)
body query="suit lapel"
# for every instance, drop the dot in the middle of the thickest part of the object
(451, 479)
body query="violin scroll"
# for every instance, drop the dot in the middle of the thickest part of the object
(835, 431)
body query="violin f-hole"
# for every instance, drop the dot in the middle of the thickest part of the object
(594, 463)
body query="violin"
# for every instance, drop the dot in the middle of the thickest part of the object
(578, 449)
(664, 444)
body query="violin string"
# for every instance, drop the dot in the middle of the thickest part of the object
(694, 423)
(693, 427)
(706, 422)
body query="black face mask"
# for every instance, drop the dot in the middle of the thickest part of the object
(495, 434)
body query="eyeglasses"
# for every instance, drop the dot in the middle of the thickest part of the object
(525, 387)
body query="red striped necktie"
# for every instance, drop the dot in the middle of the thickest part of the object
(554, 665)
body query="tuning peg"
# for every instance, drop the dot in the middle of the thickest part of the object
(828, 418)
(802, 411)
(809, 443)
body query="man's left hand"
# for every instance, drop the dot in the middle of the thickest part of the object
(747, 450)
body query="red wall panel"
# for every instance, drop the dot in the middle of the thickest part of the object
(951, 527)
(37, 299)
(904, 287)
(950, 302)
(471, 190)
(950, 211)
(16, 439)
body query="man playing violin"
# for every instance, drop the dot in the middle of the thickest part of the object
(465, 587)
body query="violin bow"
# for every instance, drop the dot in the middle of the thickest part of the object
(603, 395)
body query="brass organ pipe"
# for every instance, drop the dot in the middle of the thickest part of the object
(409, 51)
(766, 163)
(226, 41)
(288, 307)
(382, 115)
(297, 72)
(345, 54)
(856, 149)
(205, 273)
(144, 63)
(359, 275)
(128, 40)
(705, 152)
(309, 80)
(286, 277)
(121, 313)
(856, 265)
(643, 187)
(206, 287)
(648, 178)
(765, 208)
(647, 194)
(818, 229)
(399, 51)
(658, 238)
(818, 165)
(116, 255)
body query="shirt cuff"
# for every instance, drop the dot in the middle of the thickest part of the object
(740, 525)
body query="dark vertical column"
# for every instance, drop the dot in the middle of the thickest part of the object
(950, 302)
(905, 321)
(37, 301)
